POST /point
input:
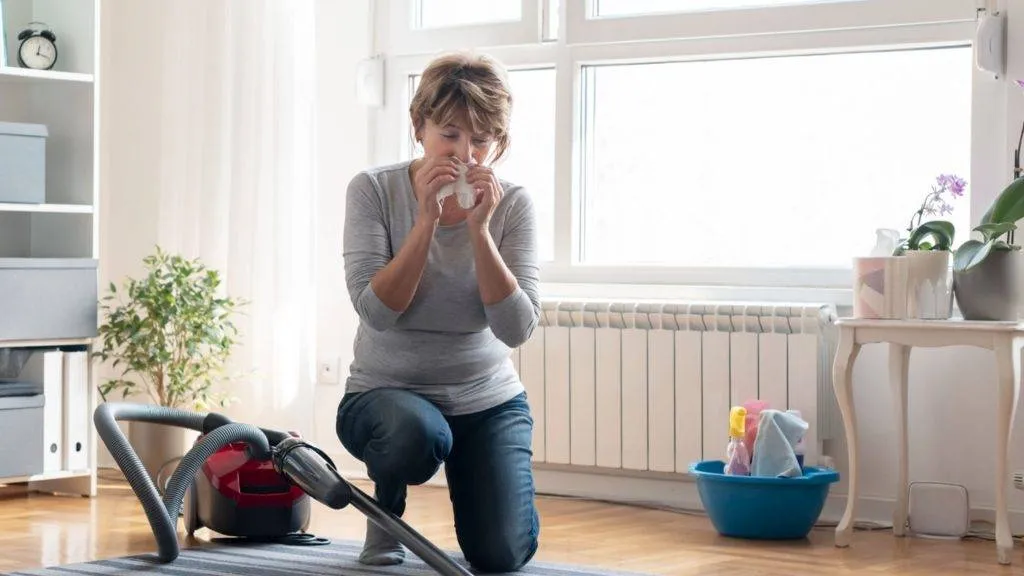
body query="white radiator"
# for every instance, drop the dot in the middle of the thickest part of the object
(647, 386)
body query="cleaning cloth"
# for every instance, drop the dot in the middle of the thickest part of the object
(777, 433)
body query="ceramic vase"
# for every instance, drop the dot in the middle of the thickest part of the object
(991, 290)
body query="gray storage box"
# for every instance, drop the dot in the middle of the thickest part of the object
(48, 298)
(22, 163)
(21, 435)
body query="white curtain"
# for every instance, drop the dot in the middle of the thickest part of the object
(236, 186)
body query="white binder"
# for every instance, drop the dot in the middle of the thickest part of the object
(76, 410)
(47, 367)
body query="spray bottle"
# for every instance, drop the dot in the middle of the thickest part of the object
(737, 458)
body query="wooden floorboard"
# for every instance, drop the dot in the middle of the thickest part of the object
(42, 530)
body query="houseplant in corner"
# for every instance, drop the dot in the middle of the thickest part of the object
(928, 249)
(169, 335)
(987, 271)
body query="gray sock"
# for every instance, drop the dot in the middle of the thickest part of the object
(380, 548)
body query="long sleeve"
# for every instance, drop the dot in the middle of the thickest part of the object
(513, 319)
(367, 249)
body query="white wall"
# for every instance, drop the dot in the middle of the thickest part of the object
(344, 37)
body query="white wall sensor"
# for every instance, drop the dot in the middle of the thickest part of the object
(370, 82)
(990, 43)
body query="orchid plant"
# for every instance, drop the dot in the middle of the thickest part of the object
(934, 234)
(998, 228)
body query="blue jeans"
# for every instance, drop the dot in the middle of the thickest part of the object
(403, 439)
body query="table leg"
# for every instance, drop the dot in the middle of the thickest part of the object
(842, 379)
(1009, 369)
(899, 361)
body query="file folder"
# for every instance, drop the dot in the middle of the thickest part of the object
(47, 368)
(76, 410)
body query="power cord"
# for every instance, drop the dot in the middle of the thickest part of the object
(292, 539)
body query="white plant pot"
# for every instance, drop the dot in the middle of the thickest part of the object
(929, 284)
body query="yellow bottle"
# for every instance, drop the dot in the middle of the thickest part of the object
(737, 459)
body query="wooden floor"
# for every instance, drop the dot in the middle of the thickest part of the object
(40, 530)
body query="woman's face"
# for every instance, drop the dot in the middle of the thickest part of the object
(455, 139)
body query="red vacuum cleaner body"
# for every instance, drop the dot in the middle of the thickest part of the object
(235, 494)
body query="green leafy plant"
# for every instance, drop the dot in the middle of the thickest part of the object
(933, 234)
(169, 333)
(998, 227)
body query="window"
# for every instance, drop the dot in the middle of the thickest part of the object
(769, 162)
(720, 142)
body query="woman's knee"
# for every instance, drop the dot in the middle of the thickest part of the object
(410, 447)
(400, 436)
(499, 551)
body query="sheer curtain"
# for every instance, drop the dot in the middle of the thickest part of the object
(236, 183)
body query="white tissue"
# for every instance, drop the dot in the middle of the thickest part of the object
(463, 191)
(886, 241)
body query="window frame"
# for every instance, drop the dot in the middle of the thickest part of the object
(584, 42)
(585, 27)
(403, 38)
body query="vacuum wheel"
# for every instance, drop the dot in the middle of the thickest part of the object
(191, 510)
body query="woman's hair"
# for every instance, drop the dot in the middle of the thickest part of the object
(465, 86)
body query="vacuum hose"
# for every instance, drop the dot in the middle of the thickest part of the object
(163, 515)
(310, 469)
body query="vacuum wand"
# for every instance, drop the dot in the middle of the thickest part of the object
(310, 469)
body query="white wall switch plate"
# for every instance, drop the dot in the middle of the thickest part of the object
(327, 373)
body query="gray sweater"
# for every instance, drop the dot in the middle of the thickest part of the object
(447, 346)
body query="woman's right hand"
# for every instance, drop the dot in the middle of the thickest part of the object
(432, 174)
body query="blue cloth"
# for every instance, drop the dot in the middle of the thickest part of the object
(403, 439)
(777, 433)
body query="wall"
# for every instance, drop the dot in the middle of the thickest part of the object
(344, 37)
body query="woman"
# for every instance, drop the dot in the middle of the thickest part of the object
(443, 294)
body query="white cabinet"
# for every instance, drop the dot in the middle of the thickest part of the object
(65, 226)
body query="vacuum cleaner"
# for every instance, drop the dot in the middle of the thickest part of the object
(242, 480)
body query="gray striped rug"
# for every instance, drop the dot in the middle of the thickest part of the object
(338, 557)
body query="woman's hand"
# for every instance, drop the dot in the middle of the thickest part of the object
(432, 174)
(488, 194)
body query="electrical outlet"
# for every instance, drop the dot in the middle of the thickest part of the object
(327, 373)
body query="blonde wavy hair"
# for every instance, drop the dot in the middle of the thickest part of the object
(464, 86)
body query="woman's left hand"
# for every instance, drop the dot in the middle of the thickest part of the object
(488, 193)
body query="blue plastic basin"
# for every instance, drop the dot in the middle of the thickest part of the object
(762, 508)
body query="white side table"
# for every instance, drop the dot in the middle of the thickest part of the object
(1004, 338)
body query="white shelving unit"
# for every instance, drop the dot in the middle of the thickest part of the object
(65, 100)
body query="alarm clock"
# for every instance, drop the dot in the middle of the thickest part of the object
(38, 49)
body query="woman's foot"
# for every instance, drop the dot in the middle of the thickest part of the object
(380, 548)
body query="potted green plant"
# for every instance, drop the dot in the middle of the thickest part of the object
(169, 336)
(987, 270)
(928, 249)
